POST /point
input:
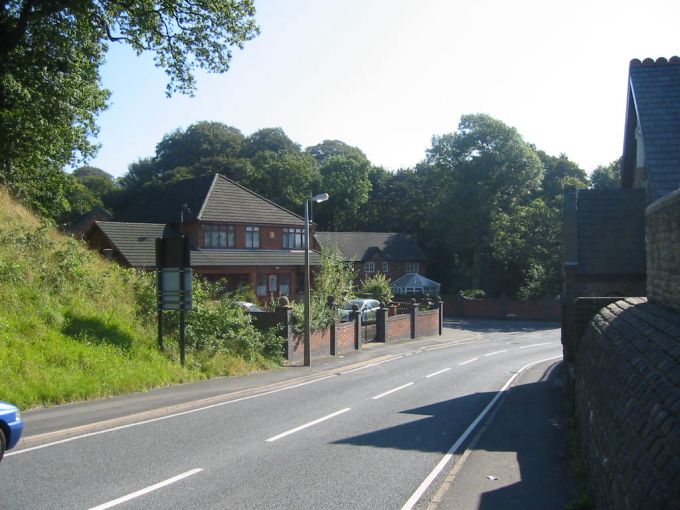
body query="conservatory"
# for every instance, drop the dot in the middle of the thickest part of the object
(415, 284)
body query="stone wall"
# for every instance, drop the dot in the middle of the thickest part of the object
(663, 251)
(627, 398)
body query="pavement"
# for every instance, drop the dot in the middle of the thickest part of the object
(517, 459)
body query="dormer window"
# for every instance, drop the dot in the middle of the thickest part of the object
(369, 267)
(218, 236)
(252, 237)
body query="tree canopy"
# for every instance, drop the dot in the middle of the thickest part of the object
(51, 53)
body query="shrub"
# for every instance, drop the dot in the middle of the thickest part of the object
(378, 286)
(473, 293)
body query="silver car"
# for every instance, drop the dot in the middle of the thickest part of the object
(367, 307)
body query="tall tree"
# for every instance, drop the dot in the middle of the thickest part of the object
(51, 52)
(607, 176)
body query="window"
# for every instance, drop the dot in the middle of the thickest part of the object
(284, 284)
(261, 285)
(293, 238)
(385, 267)
(252, 237)
(412, 267)
(369, 267)
(218, 236)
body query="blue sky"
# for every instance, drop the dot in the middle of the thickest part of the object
(387, 75)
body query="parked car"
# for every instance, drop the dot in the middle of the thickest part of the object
(11, 427)
(250, 307)
(367, 307)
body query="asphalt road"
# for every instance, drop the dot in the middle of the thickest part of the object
(365, 438)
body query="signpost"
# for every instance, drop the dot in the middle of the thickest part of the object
(173, 270)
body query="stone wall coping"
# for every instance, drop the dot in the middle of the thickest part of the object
(663, 202)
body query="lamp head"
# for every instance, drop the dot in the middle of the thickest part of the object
(321, 197)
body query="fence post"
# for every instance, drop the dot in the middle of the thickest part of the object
(440, 302)
(355, 316)
(381, 323)
(284, 316)
(414, 317)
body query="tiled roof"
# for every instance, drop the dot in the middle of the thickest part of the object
(136, 242)
(611, 231)
(213, 198)
(655, 91)
(360, 246)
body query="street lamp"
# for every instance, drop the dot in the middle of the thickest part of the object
(321, 197)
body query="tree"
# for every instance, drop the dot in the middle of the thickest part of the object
(560, 172)
(483, 168)
(51, 52)
(608, 176)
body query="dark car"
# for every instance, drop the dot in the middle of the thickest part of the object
(11, 427)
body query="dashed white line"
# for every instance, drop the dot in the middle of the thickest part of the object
(392, 390)
(410, 503)
(151, 488)
(307, 425)
(468, 361)
(495, 352)
(534, 345)
(437, 373)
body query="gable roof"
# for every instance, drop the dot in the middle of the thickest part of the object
(360, 246)
(136, 243)
(212, 198)
(654, 106)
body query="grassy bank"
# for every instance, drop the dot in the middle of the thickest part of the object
(71, 327)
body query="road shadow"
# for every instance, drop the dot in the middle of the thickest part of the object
(497, 326)
(528, 424)
(95, 331)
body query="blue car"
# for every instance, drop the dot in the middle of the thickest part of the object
(11, 427)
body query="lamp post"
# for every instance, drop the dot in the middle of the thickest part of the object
(321, 197)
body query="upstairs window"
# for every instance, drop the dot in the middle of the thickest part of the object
(385, 267)
(412, 267)
(293, 238)
(369, 267)
(252, 237)
(218, 236)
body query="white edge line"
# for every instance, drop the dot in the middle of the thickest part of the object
(307, 425)
(129, 425)
(392, 391)
(151, 488)
(442, 463)
(437, 373)
(468, 361)
(495, 352)
(534, 345)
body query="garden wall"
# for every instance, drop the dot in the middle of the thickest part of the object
(546, 309)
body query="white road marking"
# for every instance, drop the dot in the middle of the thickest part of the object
(166, 417)
(307, 425)
(151, 488)
(392, 390)
(494, 353)
(437, 373)
(468, 361)
(439, 467)
(535, 345)
(372, 365)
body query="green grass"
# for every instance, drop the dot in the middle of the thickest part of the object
(71, 327)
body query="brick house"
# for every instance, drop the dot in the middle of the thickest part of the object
(236, 234)
(393, 255)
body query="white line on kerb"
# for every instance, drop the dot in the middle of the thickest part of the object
(392, 390)
(151, 488)
(437, 373)
(307, 425)
(468, 361)
(442, 463)
(494, 353)
(166, 417)
(534, 345)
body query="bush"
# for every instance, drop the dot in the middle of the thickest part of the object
(473, 293)
(378, 286)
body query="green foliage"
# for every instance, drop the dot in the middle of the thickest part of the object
(377, 286)
(473, 293)
(608, 176)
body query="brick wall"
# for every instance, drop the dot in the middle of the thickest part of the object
(320, 345)
(427, 323)
(627, 403)
(398, 327)
(546, 309)
(663, 251)
(344, 337)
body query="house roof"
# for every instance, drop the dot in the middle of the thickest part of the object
(212, 198)
(360, 246)
(654, 106)
(414, 280)
(136, 243)
(611, 231)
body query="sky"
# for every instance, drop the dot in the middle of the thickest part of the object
(387, 75)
